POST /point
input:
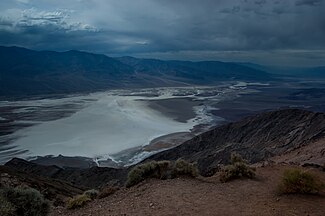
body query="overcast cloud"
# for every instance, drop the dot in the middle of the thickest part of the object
(290, 32)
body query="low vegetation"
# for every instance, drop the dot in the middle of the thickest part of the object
(238, 168)
(78, 201)
(183, 168)
(82, 199)
(299, 181)
(6, 208)
(160, 170)
(23, 201)
(92, 194)
(89, 195)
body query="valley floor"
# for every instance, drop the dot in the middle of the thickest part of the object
(207, 196)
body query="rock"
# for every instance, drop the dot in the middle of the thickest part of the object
(52, 189)
(93, 177)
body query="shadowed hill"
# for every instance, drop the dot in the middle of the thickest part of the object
(53, 189)
(93, 177)
(256, 138)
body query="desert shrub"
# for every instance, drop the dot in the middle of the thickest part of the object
(107, 191)
(236, 158)
(26, 201)
(141, 172)
(92, 194)
(299, 181)
(6, 208)
(211, 170)
(237, 169)
(78, 201)
(184, 168)
(160, 170)
(164, 169)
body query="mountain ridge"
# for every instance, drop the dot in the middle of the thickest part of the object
(29, 72)
(256, 138)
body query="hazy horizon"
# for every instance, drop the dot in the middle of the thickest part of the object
(174, 59)
(268, 32)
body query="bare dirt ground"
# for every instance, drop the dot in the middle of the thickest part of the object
(312, 154)
(207, 196)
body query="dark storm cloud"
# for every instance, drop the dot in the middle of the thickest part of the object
(51, 30)
(183, 29)
(308, 2)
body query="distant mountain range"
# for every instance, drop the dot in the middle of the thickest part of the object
(28, 72)
(25, 71)
(300, 72)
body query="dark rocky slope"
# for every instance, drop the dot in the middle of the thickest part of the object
(53, 189)
(93, 177)
(256, 138)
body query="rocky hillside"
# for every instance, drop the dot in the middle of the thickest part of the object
(256, 138)
(52, 189)
(94, 177)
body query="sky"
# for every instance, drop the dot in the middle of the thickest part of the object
(270, 32)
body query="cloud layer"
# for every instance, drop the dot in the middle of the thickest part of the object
(234, 30)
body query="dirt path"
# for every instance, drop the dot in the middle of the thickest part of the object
(206, 197)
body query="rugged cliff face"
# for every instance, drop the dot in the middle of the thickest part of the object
(255, 138)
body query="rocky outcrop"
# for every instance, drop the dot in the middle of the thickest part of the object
(52, 189)
(255, 138)
(93, 177)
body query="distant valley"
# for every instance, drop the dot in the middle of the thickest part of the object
(64, 103)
